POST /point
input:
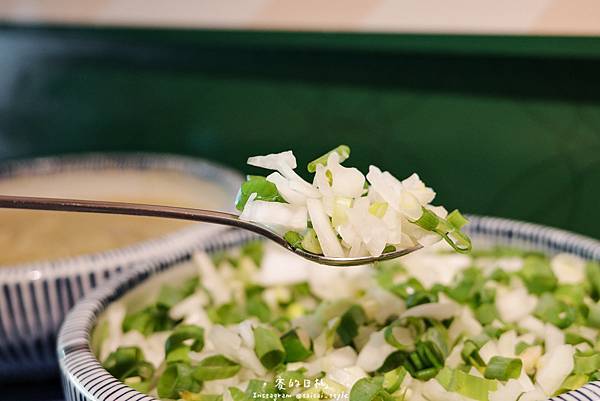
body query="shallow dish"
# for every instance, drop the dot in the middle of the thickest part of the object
(35, 297)
(85, 379)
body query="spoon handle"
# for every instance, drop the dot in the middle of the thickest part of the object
(135, 209)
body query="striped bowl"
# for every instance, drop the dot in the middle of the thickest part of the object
(35, 297)
(84, 379)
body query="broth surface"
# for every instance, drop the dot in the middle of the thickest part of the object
(27, 236)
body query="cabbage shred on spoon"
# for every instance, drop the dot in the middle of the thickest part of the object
(182, 213)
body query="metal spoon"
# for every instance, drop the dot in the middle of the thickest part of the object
(182, 213)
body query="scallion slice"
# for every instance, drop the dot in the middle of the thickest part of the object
(268, 347)
(502, 368)
(343, 151)
(215, 367)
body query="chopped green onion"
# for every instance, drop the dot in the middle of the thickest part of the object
(593, 318)
(294, 239)
(349, 323)
(368, 389)
(229, 313)
(237, 394)
(175, 379)
(389, 248)
(398, 336)
(393, 379)
(549, 309)
(378, 209)
(465, 384)
(428, 220)
(254, 250)
(537, 275)
(570, 294)
(486, 313)
(574, 339)
(573, 382)
(149, 320)
(311, 243)
(183, 333)
(259, 388)
(343, 151)
(297, 346)
(127, 362)
(592, 270)
(521, 346)
(586, 362)
(215, 367)
(268, 348)
(456, 219)
(264, 190)
(502, 368)
(409, 287)
(470, 354)
(419, 298)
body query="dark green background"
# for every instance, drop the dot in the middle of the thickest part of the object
(506, 126)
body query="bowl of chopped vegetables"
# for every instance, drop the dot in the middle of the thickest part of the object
(498, 310)
(517, 319)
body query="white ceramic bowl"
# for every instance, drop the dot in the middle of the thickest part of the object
(35, 297)
(84, 378)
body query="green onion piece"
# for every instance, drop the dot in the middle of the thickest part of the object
(437, 336)
(470, 354)
(428, 220)
(419, 298)
(465, 384)
(571, 294)
(127, 362)
(426, 374)
(389, 248)
(378, 209)
(311, 243)
(183, 333)
(149, 320)
(586, 362)
(255, 250)
(521, 346)
(264, 190)
(237, 394)
(175, 379)
(342, 150)
(549, 309)
(369, 389)
(398, 336)
(393, 379)
(178, 354)
(573, 382)
(456, 219)
(486, 313)
(574, 339)
(350, 321)
(229, 313)
(450, 233)
(256, 306)
(592, 270)
(593, 318)
(169, 296)
(537, 275)
(501, 368)
(407, 288)
(297, 345)
(294, 239)
(215, 367)
(268, 348)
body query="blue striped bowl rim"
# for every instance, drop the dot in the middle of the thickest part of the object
(84, 378)
(35, 297)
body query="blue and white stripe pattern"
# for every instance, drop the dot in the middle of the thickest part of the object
(84, 379)
(35, 297)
